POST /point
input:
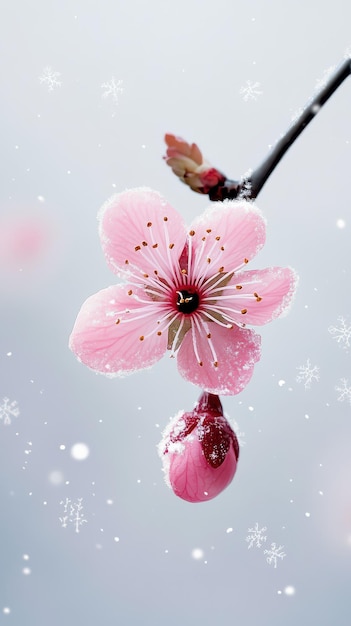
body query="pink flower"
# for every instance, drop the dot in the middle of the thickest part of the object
(188, 164)
(186, 292)
(199, 451)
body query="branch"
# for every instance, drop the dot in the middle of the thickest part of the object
(188, 164)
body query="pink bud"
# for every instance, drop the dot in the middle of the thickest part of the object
(188, 164)
(199, 451)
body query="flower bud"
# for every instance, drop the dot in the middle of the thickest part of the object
(199, 451)
(188, 164)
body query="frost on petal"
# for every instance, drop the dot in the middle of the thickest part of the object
(111, 331)
(140, 233)
(236, 352)
(228, 234)
(264, 294)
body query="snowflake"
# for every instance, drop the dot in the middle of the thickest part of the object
(307, 374)
(8, 410)
(73, 513)
(50, 78)
(112, 88)
(274, 554)
(341, 333)
(344, 390)
(256, 537)
(250, 90)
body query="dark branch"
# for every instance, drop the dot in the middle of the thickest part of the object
(251, 186)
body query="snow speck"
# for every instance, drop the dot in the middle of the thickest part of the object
(289, 590)
(340, 223)
(6, 610)
(281, 383)
(116, 539)
(80, 451)
(229, 530)
(197, 554)
(55, 477)
(307, 514)
(62, 447)
(26, 571)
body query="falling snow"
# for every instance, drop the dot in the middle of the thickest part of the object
(250, 91)
(341, 333)
(307, 374)
(256, 537)
(112, 89)
(72, 514)
(344, 390)
(8, 410)
(50, 78)
(274, 554)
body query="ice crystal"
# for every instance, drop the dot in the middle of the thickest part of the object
(341, 332)
(321, 82)
(112, 89)
(250, 91)
(307, 374)
(274, 554)
(8, 410)
(344, 390)
(256, 537)
(72, 514)
(50, 78)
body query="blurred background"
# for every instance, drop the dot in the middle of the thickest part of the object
(89, 530)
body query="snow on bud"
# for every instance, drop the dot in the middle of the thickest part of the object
(188, 164)
(199, 451)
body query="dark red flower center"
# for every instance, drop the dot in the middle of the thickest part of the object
(187, 301)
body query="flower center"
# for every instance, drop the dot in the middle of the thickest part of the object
(187, 301)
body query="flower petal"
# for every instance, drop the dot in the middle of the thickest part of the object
(116, 348)
(236, 350)
(195, 480)
(227, 236)
(264, 294)
(141, 233)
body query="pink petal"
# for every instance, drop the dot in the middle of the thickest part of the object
(240, 227)
(112, 348)
(236, 349)
(265, 294)
(192, 478)
(134, 221)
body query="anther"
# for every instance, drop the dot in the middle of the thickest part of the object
(171, 245)
(201, 363)
(126, 262)
(209, 336)
(183, 271)
(209, 230)
(144, 243)
(221, 269)
(217, 238)
(258, 299)
(146, 275)
(137, 248)
(246, 260)
(155, 245)
(243, 311)
(118, 321)
(159, 333)
(215, 363)
(192, 233)
(208, 260)
(222, 248)
(149, 224)
(130, 292)
(141, 337)
(155, 272)
(165, 219)
(239, 286)
(203, 238)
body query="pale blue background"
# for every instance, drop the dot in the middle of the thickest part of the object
(182, 65)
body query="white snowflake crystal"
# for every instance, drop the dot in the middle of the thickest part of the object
(250, 91)
(112, 89)
(50, 78)
(8, 410)
(256, 537)
(307, 374)
(72, 514)
(274, 554)
(344, 390)
(341, 333)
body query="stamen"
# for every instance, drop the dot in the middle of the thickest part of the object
(137, 248)
(144, 243)
(141, 338)
(246, 260)
(165, 219)
(171, 245)
(130, 292)
(209, 230)
(243, 311)
(192, 233)
(239, 287)
(149, 224)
